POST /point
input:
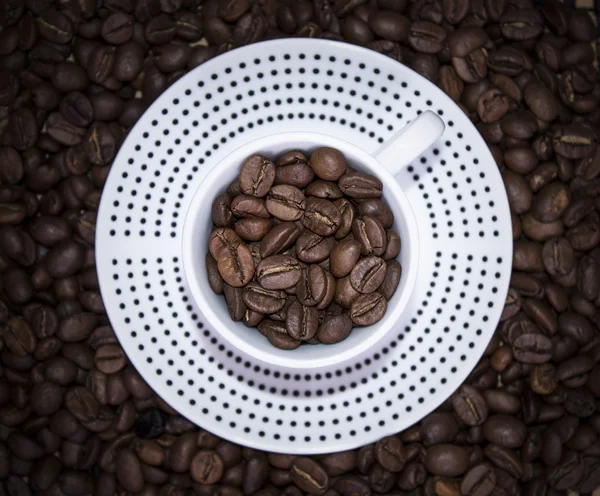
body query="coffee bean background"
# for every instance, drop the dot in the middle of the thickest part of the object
(76, 418)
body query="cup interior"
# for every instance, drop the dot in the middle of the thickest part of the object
(198, 226)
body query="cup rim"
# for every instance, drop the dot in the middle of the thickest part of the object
(189, 258)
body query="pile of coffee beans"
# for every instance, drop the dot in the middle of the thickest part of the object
(304, 249)
(75, 416)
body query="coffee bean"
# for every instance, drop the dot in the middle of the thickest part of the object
(506, 431)
(159, 30)
(426, 37)
(374, 207)
(214, 278)
(301, 322)
(323, 189)
(110, 359)
(278, 272)
(367, 309)
(312, 286)
(371, 235)
(263, 300)
(293, 169)
(573, 141)
(55, 26)
(286, 202)
(243, 206)
(368, 274)
(22, 129)
(280, 238)
(236, 265)
(347, 212)
(257, 176)
(11, 165)
(76, 327)
(360, 185)
(390, 453)
(344, 257)
(345, 293)
(438, 428)
(558, 256)
(321, 216)
(235, 302)
(532, 348)
(479, 480)
(117, 28)
(18, 337)
(252, 228)
(446, 460)
(356, 30)
(328, 163)
(309, 476)
(470, 406)
(392, 278)
(18, 286)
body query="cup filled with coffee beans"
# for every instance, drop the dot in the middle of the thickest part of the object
(301, 249)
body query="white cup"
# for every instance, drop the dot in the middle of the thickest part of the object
(387, 162)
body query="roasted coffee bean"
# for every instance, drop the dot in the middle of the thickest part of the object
(128, 61)
(160, 30)
(355, 30)
(470, 406)
(479, 480)
(347, 212)
(360, 185)
(345, 294)
(223, 241)
(344, 257)
(367, 309)
(328, 163)
(293, 169)
(368, 274)
(278, 337)
(492, 105)
(54, 26)
(506, 431)
(391, 280)
(236, 265)
(286, 202)
(426, 37)
(11, 165)
(278, 272)
(279, 239)
(393, 245)
(558, 256)
(117, 28)
(252, 228)
(321, 216)
(308, 475)
(323, 189)
(312, 286)
(245, 206)
(263, 300)
(110, 359)
(390, 453)
(301, 321)
(389, 25)
(214, 278)
(573, 141)
(446, 460)
(313, 248)
(334, 329)
(371, 235)
(473, 67)
(257, 175)
(374, 207)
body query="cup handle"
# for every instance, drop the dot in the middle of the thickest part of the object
(410, 142)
